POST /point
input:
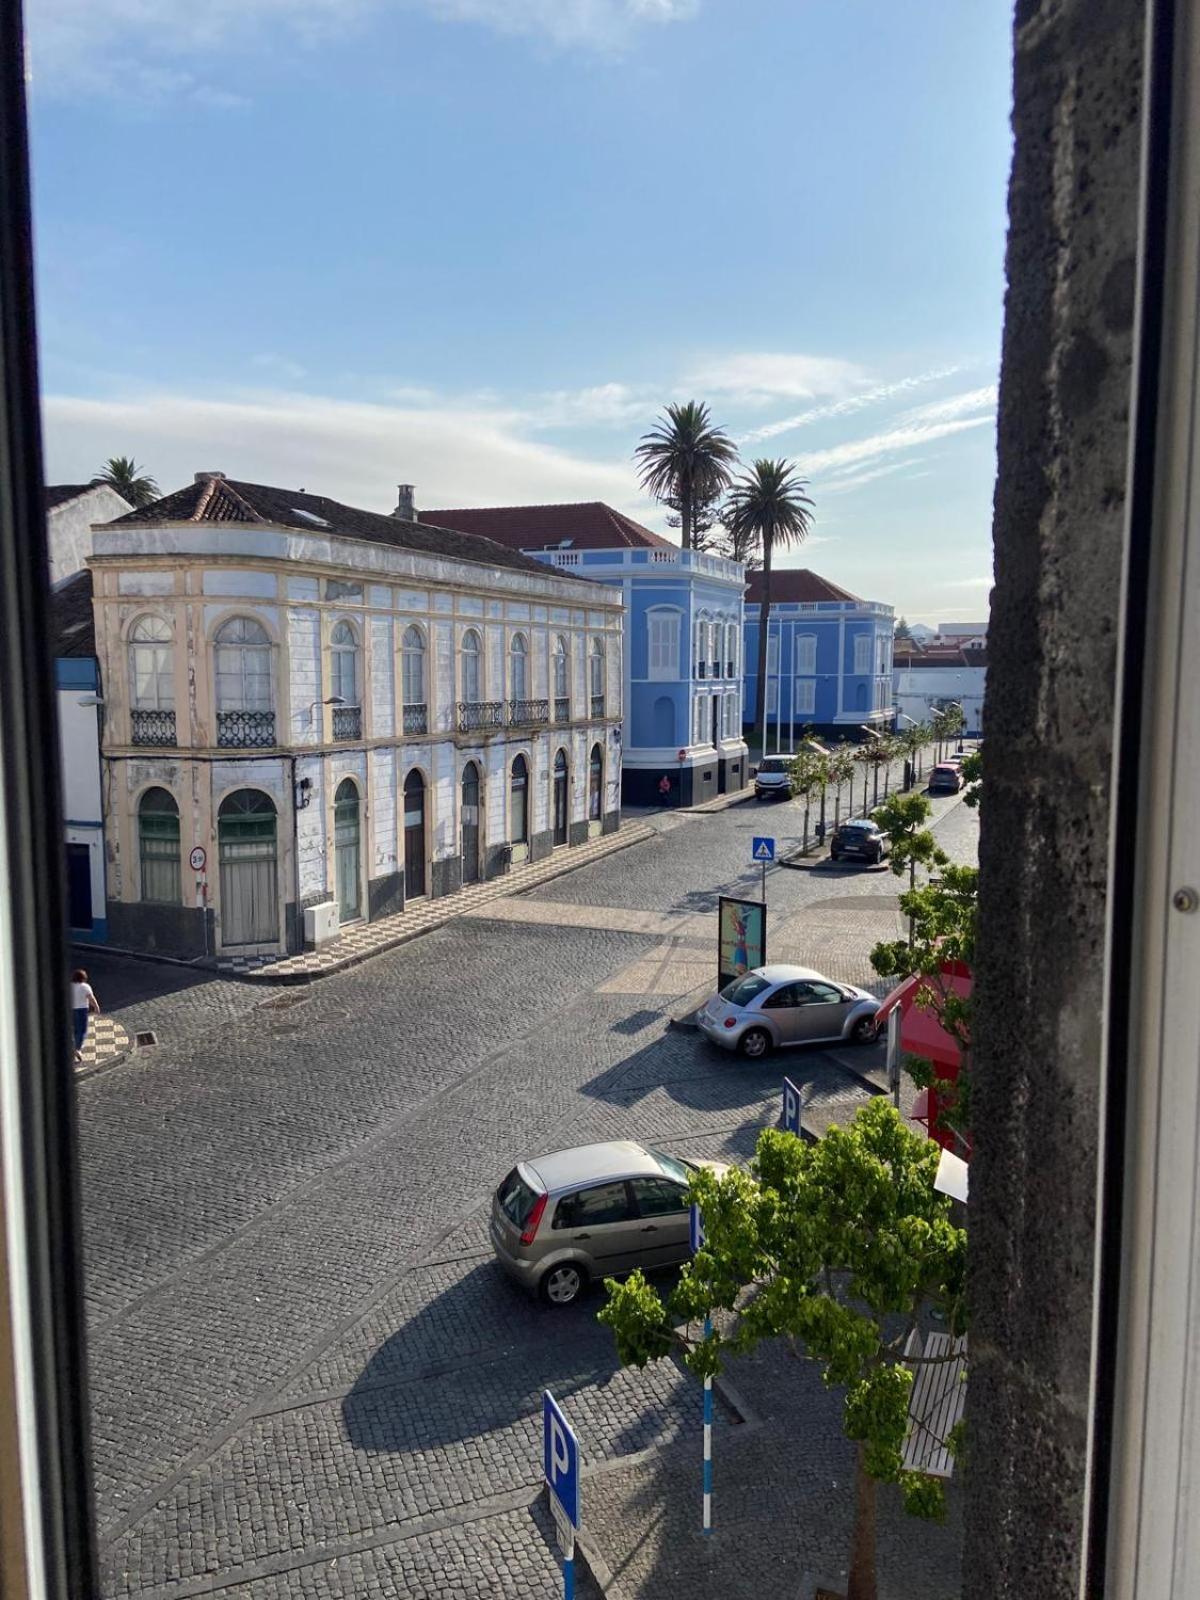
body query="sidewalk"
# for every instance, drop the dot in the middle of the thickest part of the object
(373, 938)
(105, 1045)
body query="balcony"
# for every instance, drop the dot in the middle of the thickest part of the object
(597, 705)
(152, 727)
(416, 719)
(528, 713)
(347, 722)
(562, 708)
(474, 715)
(245, 730)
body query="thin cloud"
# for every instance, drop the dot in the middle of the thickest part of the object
(754, 377)
(352, 451)
(848, 406)
(953, 407)
(844, 482)
(856, 451)
(154, 46)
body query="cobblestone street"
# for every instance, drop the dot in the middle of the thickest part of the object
(309, 1378)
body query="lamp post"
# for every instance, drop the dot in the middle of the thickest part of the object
(333, 700)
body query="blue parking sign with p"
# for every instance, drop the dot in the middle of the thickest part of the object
(561, 1453)
(792, 1107)
(696, 1229)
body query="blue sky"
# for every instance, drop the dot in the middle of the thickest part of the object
(477, 244)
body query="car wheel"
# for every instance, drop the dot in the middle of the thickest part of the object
(835, 855)
(864, 1030)
(877, 857)
(755, 1043)
(563, 1284)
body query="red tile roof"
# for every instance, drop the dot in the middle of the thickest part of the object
(584, 525)
(795, 586)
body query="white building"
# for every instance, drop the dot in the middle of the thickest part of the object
(924, 680)
(310, 707)
(72, 510)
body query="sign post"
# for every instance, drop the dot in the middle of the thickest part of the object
(560, 1454)
(763, 851)
(696, 1230)
(893, 1054)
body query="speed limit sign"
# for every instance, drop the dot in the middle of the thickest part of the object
(198, 858)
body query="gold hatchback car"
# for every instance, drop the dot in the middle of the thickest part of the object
(561, 1221)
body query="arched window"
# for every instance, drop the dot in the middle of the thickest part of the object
(596, 677)
(471, 676)
(344, 676)
(416, 706)
(519, 804)
(242, 662)
(731, 651)
(246, 837)
(158, 847)
(596, 785)
(562, 679)
(518, 668)
(151, 682)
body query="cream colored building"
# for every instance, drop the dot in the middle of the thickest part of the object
(313, 708)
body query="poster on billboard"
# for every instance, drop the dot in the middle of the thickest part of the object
(741, 938)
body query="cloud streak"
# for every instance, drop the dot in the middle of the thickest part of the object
(847, 406)
(754, 377)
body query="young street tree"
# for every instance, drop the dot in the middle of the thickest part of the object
(123, 474)
(808, 772)
(903, 817)
(770, 506)
(841, 1245)
(841, 763)
(685, 462)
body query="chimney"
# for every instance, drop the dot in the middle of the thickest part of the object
(404, 503)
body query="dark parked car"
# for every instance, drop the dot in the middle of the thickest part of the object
(945, 779)
(858, 840)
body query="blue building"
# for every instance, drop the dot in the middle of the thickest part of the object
(683, 638)
(829, 659)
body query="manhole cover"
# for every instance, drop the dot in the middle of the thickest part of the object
(144, 1039)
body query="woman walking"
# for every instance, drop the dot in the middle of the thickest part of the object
(83, 1001)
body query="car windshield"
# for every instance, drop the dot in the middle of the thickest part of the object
(774, 764)
(742, 990)
(859, 827)
(672, 1167)
(516, 1198)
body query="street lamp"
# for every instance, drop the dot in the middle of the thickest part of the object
(334, 700)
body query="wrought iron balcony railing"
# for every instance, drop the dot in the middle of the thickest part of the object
(245, 730)
(347, 722)
(562, 708)
(528, 713)
(597, 705)
(416, 719)
(153, 727)
(477, 714)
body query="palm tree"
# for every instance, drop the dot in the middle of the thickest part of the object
(770, 503)
(123, 474)
(686, 462)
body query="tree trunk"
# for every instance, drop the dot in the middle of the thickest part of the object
(861, 1583)
(685, 515)
(764, 617)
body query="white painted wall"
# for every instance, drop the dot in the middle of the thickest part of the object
(69, 528)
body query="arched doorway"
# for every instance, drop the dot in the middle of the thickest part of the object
(664, 723)
(518, 809)
(596, 792)
(469, 814)
(414, 836)
(562, 806)
(247, 848)
(347, 849)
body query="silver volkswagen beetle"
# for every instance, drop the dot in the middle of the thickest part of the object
(778, 1005)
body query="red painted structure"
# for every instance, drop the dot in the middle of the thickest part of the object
(921, 1034)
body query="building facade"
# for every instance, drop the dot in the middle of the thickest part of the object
(80, 710)
(829, 659)
(682, 737)
(937, 676)
(315, 715)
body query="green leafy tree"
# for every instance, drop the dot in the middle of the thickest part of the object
(972, 771)
(903, 631)
(948, 722)
(686, 462)
(839, 1246)
(808, 773)
(768, 504)
(903, 817)
(841, 766)
(942, 921)
(123, 474)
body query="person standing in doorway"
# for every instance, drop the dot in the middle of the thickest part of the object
(83, 1001)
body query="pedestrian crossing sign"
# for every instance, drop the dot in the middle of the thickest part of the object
(764, 850)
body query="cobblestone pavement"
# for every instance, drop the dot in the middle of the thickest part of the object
(307, 1375)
